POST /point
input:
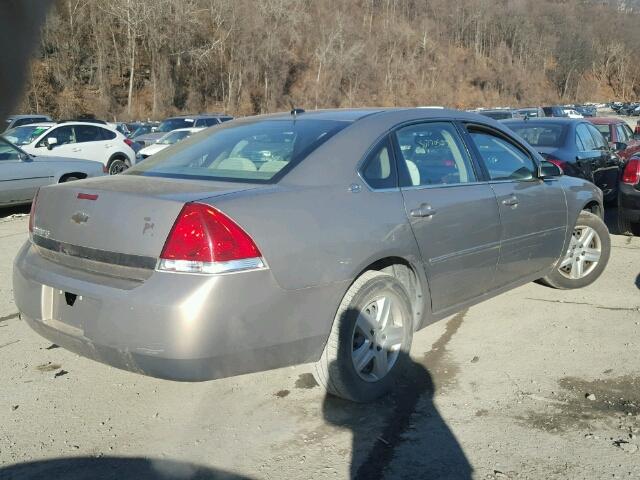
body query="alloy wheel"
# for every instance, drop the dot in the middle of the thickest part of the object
(583, 254)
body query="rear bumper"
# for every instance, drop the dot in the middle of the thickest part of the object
(630, 201)
(175, 326)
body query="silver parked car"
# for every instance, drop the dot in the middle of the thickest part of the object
(22, 174)
(325, 237)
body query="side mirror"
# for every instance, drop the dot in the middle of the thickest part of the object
(619, 146)
(24, 157)
(51, 142)
(549, 170)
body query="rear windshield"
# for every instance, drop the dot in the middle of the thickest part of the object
(173, 137)
(25, 134)
(605, 131)
(545, 135)
(256, 152)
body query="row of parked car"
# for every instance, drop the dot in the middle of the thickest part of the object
(37, 151)
(603, 150)
(566, 111)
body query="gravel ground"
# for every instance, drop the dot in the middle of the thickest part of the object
(536, 383)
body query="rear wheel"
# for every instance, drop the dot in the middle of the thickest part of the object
(585, 258)
(70, 178)
(117, 165)
(369, 342)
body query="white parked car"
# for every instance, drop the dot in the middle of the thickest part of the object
(163, 142)
(571, 113)
(80, 140)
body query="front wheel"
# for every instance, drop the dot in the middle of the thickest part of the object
(369, 342)
(585, 258)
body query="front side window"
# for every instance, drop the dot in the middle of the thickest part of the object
(64, 135)
(502, 159)
(249, 152)
(584, 139)
(433, 154)
(379, 171)
(206, 122)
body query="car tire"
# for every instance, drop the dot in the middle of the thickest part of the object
(117, 165)
(574, 269)
(625, 225)
(378, 302)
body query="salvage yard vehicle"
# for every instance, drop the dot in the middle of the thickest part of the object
(618, 135)
(22, 174)
(87, 140)
(577, 147)
(328, 237)
(163, 142)
(17, 120)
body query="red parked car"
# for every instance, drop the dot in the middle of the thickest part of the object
(622, 139)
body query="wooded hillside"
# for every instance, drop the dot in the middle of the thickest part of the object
(130, 59)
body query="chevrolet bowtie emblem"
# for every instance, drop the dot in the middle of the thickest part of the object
(80, 217)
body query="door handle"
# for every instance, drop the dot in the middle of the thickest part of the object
(512, 201)
(76, 149)
(108, 145)
(424, 210)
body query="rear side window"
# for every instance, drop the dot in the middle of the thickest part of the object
(107, 134)
(502, 159)
(598, 139)
(540, 135)
(249, 152)
(584, 139)
(379, 171)
(432, 154)
(622, 134)
(88, 133)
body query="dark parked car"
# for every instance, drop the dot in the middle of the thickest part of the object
(215, 266)
(555, 111)
(499, 113)
(586, 110)
(618, 134)
(629, 197)
(576, 146)
(18, 120)
(183, 121)
(531, 112)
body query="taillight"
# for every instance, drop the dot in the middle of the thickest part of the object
(32, 212)
(204, 240)
(562, 165)
(129, 142)
(631, 173)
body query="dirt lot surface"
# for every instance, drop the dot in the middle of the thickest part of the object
(536, 383)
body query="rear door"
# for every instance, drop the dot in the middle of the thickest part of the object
(94, 143)
(533, 212)
(454, 216)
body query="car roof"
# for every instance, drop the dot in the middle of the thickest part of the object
(27, 115)
(605, 120)
(200, 115)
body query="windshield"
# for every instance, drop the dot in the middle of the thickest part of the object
(253, 152)
(25, 134)
(605, 131)
(173, 137)
(175, 123)
(547, 135)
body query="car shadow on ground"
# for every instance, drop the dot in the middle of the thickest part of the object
(113, 468)
(406, 418)
(17, 210)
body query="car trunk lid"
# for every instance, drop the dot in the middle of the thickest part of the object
(119, 221)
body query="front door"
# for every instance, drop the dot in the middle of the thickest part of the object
(533, 212)
(19, 177)
(454, 217)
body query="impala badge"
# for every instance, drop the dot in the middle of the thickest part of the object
(80, 217)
